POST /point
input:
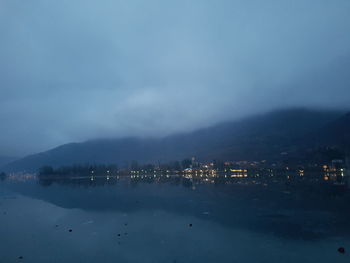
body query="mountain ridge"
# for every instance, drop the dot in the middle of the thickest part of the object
(258, 137)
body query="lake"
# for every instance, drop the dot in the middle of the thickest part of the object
(172, 220)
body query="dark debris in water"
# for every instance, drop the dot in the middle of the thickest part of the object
(190, 225)
(20, 257)
(70, 230)
(341, 250)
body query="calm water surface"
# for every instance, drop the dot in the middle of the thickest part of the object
(168, 222)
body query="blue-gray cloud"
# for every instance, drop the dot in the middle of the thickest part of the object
(73, 70)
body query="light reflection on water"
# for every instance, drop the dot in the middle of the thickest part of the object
(166, 222)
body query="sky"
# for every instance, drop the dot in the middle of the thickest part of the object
(74, 70)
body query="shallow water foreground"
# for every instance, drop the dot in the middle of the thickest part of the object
(154, 223)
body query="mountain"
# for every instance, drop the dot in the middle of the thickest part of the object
(336, 133)
(259, 137)
(6, 159)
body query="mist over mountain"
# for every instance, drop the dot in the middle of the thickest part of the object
(72, 71)
(293, 133)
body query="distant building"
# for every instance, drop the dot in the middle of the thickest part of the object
(335, 172)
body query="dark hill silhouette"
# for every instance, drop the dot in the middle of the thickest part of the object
(6, 159)
(259, 137)
(337, 133)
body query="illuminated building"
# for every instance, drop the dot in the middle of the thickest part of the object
(334, 172)
(239, 173)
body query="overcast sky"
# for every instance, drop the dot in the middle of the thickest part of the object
(73, 70)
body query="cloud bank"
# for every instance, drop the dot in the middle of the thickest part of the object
(73, 70)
